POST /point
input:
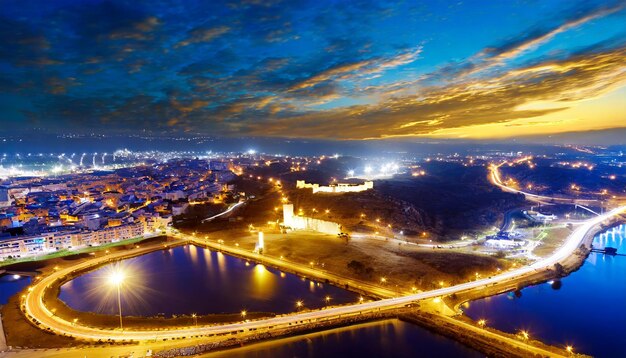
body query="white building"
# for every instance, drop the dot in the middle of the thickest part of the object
(296, 222)
(335, 188)
(46, 243)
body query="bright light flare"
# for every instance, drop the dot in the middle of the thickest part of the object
(117, 277)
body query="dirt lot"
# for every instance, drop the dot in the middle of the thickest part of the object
(405, 266)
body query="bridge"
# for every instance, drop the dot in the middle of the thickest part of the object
(39, 313)
(608, 251)
(585, 208)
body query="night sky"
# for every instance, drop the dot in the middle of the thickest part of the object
(313, 69)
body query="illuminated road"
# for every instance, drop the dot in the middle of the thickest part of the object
(35, 307)
(227, 211)
(495, 179)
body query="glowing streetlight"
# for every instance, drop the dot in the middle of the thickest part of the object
(482, 323)
(524, 335)
(299, 304)
(243, 314)
(327, 299)
(569, 349)
(361, 299)
(383, 279)
(116, 278)
(195, 319)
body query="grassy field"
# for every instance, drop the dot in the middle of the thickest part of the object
(65, 253)
(550, 239)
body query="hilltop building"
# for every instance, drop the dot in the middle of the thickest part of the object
(297, 222)
(335, 188)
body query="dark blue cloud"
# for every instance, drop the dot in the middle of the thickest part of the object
(228, 66)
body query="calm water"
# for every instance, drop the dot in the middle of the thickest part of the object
(190, 279)
(390, 338)
(10, 285)
(588, 310)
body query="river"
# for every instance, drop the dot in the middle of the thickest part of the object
(389, 338)
(586, 309)
(10, 285)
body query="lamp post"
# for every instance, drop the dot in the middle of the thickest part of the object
(117, 278)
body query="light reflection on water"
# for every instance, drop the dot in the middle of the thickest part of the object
(10, 285)
(586, 309)
(390, 338)
(191, 279)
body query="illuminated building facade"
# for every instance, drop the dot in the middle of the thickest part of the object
(297, 222)
(335, 188)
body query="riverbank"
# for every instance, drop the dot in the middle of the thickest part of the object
(376, 268)
(574, 310)
(491, 342)
(289, 323)
(103, 321)
(275, 334)
(569, 265)
(21, 332)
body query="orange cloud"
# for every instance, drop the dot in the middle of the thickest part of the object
(493, 101)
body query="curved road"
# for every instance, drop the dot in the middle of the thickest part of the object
(497, 181)
(35, 307)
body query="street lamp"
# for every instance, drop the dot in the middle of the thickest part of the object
(195, 319)
(569, 349)
(524, 335)
(243, 314)
(117, 278)
(327, 299)
(299, 304)
(482, 323)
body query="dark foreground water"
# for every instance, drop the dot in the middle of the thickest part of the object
(10, 285)
(391, 338)
(586, 309)
(190, 279)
